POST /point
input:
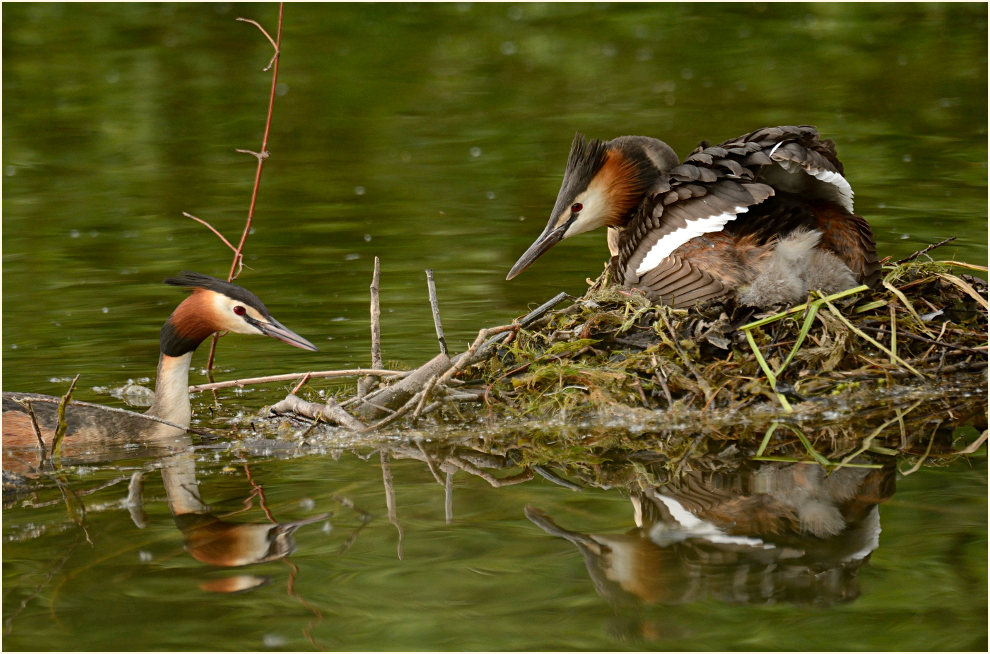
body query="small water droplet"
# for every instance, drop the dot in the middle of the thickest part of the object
(307, 504)
(11, 170)
(508, 48)
(476, 152)
(367, 238)
(490, 195)
(359, 190)
(353, 256)
(74, 233)
(105, 310)
(145, 556)
(906, 158)
(281, 89)
(273, 640)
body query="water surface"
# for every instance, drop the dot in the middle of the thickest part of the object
(431, 136)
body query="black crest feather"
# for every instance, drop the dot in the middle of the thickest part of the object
(585, 160)
(190, 280)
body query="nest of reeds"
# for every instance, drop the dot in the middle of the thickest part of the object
(925, 326)
(612, 359)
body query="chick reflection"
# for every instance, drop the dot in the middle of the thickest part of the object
(765, 533)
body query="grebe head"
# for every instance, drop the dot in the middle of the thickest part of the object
(604, 182)
(217, 305)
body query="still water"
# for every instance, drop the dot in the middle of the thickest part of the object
(434, 136)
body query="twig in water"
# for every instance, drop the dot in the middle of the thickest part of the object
(924, 456)
(448, 497)
(432, 289)
(925, 250)
(37, 430)
(390, 498)
(457, 462)
(429, 462)
(302, 382)
(135, 500)
(62, 425)
(364, 384)
(376, 330)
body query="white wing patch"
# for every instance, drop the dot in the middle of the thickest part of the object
(841, 190)
(691, 526)
(662, 248)
(844, 191)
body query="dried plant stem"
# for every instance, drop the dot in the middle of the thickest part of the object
(376, 314)
(925, 250)
(432, 290)
(325, 374)
(365, 383)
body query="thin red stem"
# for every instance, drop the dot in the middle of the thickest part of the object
(234, 266)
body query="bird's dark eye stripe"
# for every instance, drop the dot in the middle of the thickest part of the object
(577, 206)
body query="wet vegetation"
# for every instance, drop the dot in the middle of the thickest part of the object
(891, 371)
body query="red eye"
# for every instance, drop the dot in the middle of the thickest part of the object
(239, 310)
(577, 206)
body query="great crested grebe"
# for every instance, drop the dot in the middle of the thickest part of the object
(766, 217)
(214, 305)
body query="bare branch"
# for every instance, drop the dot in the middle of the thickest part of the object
(324, 374)
(432, 289)
(212, 229)
(267, 35)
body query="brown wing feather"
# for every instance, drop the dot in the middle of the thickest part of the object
(705, 267)
(721, 178)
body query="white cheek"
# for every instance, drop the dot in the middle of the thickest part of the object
(593, 212)
(226, 318)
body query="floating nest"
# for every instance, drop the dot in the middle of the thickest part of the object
(611, 372)
(926, 327)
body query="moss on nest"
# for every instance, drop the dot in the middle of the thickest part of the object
(925, 325)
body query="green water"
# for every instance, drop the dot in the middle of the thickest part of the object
(431, 136)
